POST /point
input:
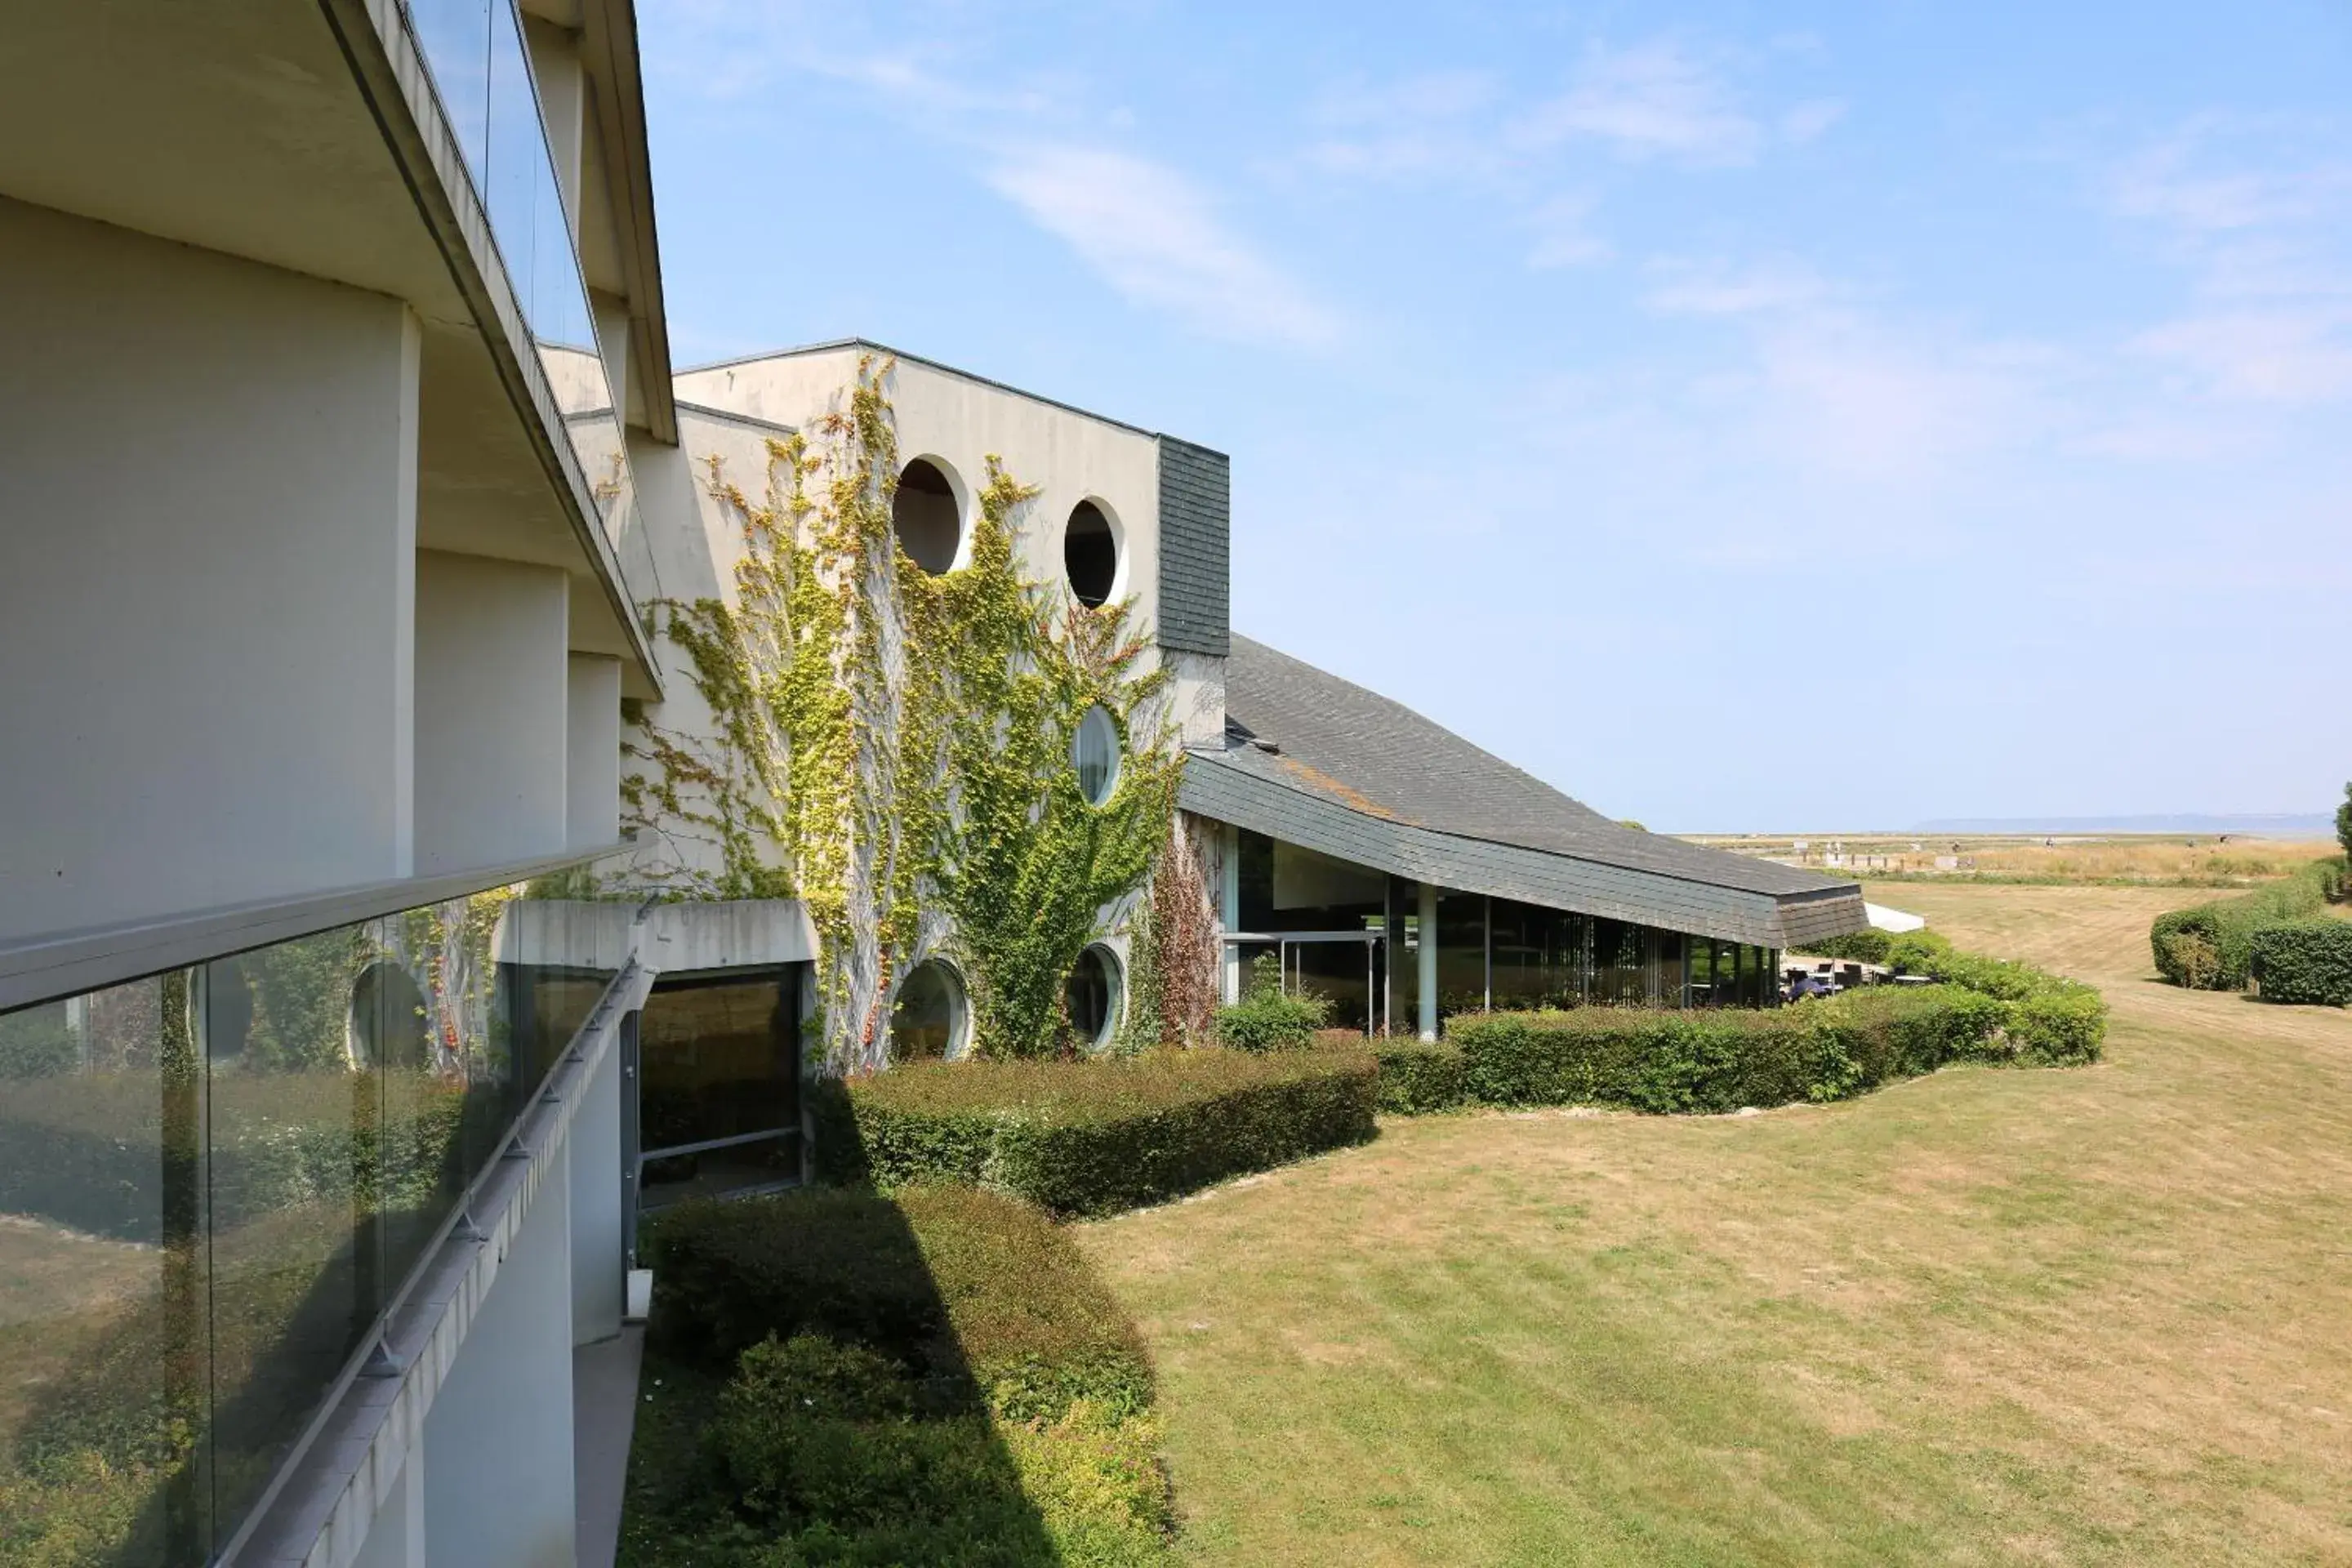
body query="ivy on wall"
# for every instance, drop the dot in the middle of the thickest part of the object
(893, 747)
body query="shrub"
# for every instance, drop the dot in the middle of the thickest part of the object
(2304, 960)
(2180, 939)
(1087, 1488)
(1419, 1077)
(975, 1294)
(1094, 1137)
(2189, 959)
(1722, 1060)
(1870, 946)
(1267, 1020)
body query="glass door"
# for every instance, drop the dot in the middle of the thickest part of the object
(718, 1107)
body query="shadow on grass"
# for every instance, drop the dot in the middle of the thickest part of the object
(875, 1445)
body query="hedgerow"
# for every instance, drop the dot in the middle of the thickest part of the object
(1095, 1136)
(1720, 1060)
(956, 1284)
(935, 1379)
(2303, 961)
(2210, 946)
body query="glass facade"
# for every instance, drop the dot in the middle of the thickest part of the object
(215, 1180)
(481, 73)
(1285, 889)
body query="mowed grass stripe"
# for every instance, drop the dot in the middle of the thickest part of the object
(1985, 1317)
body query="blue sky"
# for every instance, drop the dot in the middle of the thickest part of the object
(1745, 418)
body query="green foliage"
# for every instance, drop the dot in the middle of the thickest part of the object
(1267, 1020)
(1715, 1061)
(893, 746)
(36, 1043)
(1419, 1077)
(2344, 824)
(2219, 952)
(977, 1294)
(82, 1149)
(1869, 946)
(940, 1379)
(2304, 962)
(1095, 1136)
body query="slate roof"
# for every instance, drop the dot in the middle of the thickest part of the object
(1322, 761)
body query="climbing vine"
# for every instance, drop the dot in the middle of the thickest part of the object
(893, 748)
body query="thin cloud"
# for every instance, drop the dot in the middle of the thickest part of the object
(1652, 101)
(1157, 238)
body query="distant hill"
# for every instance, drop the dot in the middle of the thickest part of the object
(2277, 825)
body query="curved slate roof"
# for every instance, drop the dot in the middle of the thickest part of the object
(1323, 762)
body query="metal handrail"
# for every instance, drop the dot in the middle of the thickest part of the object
(67, 963)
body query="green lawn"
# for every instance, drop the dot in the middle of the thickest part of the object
(2097, 1315)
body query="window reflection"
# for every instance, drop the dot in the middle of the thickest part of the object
(210, 1185)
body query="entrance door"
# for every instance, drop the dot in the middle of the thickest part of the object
(719, 1102)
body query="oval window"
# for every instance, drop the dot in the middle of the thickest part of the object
(1091, 996)
(926, 516)
(929, 1022)
(1090, 555)
(1094, 751)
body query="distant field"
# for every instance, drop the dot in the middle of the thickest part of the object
(2152, 859)
(2089, 1316)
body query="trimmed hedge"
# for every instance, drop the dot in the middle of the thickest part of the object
(972, 1292)
(1715, 1061)
(1867, 946)
(2210, 946)
(940, 1378)
(1094, 1137)
(2307, 961)
(1419, 1077)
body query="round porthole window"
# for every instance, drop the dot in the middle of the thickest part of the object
(1090, 555)
(931, 1021)
(926, 516)
(1091, 996)
(1094, 751)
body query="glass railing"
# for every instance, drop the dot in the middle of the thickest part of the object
(482, 72)
(212, 1183)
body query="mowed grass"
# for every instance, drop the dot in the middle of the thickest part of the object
(2102, 1315)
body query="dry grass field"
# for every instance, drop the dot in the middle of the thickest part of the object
(2156, 860)
(2102, 1315)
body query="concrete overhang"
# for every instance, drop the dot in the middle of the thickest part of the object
(289, 133)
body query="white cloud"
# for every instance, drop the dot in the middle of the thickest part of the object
(1156, 237)
(1652, 101)
(2258, 213)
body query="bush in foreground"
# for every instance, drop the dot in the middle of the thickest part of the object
(976, 1293)
(938, 1379)
(2307, 961)
(1094, 1137)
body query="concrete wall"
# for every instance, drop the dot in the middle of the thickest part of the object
(498, 1437)
(592, 740)
(493, 690)
(208, 479)
(957, 422)
(599, 1266)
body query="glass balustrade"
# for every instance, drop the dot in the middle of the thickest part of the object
(212, 1183)
(481, 71)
